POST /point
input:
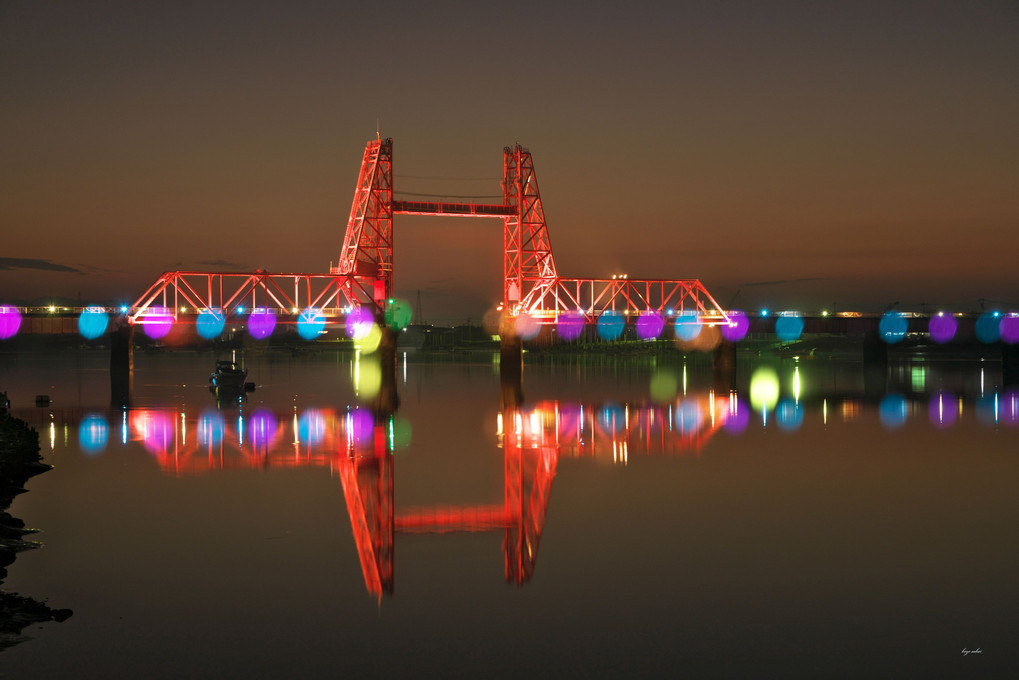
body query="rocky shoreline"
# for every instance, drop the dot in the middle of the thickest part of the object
(19, 461)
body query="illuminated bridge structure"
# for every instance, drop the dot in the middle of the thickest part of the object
(358, 449)
(364, 273)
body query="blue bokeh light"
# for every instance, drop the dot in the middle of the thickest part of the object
(893, 411)
(688, 325)
(893, 327)
(92, 322)
(610, 325)
(93, 433)
(789, 326)
(209, 323)
(310, 323)
(988, 327)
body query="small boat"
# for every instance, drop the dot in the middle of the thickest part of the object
(228, 375)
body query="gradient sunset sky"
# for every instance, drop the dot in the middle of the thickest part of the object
(788, 154)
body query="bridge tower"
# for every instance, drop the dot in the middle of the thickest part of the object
(367, 250)
(528, 265)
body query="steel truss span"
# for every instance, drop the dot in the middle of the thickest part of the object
(364, 271)
(185, 294)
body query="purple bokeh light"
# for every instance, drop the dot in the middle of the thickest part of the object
(737, 417)
(738, 327)
(157, 322)
(360, 426)
(942, 328)
(261, 323)
(943, 409)
(10, 321)
(1009, 328)
(570, 325)
(650, 325)
(358, 323)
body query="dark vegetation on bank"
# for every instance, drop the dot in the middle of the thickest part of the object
(19, 461)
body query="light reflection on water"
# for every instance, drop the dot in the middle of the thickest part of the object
(600, 473)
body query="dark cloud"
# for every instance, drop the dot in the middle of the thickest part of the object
(30, 263)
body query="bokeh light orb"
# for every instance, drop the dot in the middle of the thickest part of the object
(738, 326)
(398, 314)
(987, 408)
(610, 325)
(611, 418)
(210, 323)
(261, 323)
(10, 321)
(943, 409)
(526, 326)
(893, 411)
(367, 377)
(789, 415)
(369, 342)
(1009, 410)
(92, 322)
(988, 327)
(210, 428)
(687, 325)
(688, 417)
(942, 328)
(664, 386)
(262, 428)
(157, 430)
(569, 422)
(360, 426)
(359, 323)
(763, 389)
(789, 327)
(157, 322)
(399, 432)
(570, 325)
(310, 323)
(311, 426)
(93, 433)
(737, 417)
(650, 325)
(1009, 328)
(893, 327)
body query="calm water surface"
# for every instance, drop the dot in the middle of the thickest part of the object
(628, 520)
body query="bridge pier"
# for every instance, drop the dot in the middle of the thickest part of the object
(387, 401)
(511, 368)
(121, 365)
(723, 365)
(1010, 365)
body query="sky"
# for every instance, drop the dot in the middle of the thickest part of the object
(795, 155)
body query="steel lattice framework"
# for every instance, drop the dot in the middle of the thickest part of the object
(364, 272)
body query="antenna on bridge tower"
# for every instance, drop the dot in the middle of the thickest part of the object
(378, 135)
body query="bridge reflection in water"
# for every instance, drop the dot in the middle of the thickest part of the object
(358, 449)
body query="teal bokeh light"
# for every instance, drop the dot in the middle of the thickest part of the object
(893, 327)
(209, 323)
(789, 327)
(610, 325)
(92, 322)
(310, 323)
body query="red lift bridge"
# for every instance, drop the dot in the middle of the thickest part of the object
(364, 274)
